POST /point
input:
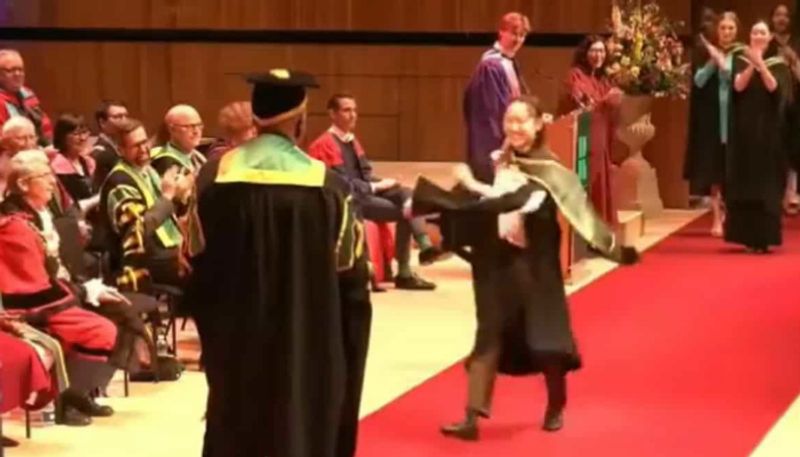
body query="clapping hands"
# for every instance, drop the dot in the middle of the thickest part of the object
(717, 56)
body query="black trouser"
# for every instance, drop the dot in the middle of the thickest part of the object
(482, 374)
(130, 326)
(387, 206)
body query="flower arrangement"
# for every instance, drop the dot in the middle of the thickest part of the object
(645, 53)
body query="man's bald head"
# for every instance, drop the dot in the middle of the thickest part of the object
(185, 127)
(12, 70)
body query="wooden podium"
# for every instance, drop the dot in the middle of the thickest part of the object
(568, 138)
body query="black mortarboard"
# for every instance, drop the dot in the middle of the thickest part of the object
(279, 94)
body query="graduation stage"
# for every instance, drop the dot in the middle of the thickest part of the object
(637, 349)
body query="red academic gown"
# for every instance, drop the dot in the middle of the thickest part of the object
(28, 290)
(21, 374)
(584, 89)
(27, 104)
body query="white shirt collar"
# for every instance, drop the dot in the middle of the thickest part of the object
(344, 137)
(499, 49)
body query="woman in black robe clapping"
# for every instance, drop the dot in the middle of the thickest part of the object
(756, 161)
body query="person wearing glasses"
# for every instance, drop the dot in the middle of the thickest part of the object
(139, 208)
(72, 164)
(109, 116)
(18, 100)
(185, 129)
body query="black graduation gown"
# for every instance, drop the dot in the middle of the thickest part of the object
(791, 125)
(356, 324)
(266, 297)
(521, 302)
(519, 292)
(704, 165)
(756, 162)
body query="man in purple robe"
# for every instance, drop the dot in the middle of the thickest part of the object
(494, 83)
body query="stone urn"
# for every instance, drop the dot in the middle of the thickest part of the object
(635, 181)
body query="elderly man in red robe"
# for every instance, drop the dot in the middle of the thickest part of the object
(18, 100)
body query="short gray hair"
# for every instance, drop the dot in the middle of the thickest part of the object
(24, 164)
(15, 123)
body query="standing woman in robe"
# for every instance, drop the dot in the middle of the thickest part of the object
(789, 47)
(587, 87)
(756, 162)
(704, 166)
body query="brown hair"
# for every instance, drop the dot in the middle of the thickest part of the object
(581, 60)
(333, 102)
(126, 128)
(67, 123)
(515, 21)
(730, 16)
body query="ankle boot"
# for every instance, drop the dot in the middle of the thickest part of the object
(556, 382)
(553, 420)
(466, 430)
(67, 412)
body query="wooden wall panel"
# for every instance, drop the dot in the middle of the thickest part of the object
(748, 10)
(412, 98)
(565, 16)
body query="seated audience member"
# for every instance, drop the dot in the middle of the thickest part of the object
(19, 134)
(380, 200)
(51, 368)
(32, 288)
(72, 164)
(25, 380)
(4, 160)
(18, 100)
(185, 129)
(109, 116)
(236, 124)
(139, 207)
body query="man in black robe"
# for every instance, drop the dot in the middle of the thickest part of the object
(279, 291)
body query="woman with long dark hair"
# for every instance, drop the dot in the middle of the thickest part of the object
(587, 87)
(514, 238)
(704, 166)
(756, 159)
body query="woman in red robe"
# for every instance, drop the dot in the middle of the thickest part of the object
(587, 88)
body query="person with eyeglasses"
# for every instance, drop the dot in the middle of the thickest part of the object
(185, 129)
(73, 164)
(18, 100)
(109, 116)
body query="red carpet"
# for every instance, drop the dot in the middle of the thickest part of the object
(694, 352)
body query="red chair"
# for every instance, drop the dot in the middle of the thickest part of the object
(380, 242)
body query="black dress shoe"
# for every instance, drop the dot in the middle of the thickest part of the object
(72, 417)
(553, 421)
(8, 442)
(466, 430)
(97, 410)
(432, 254)
(88, 406)
(413, 282)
